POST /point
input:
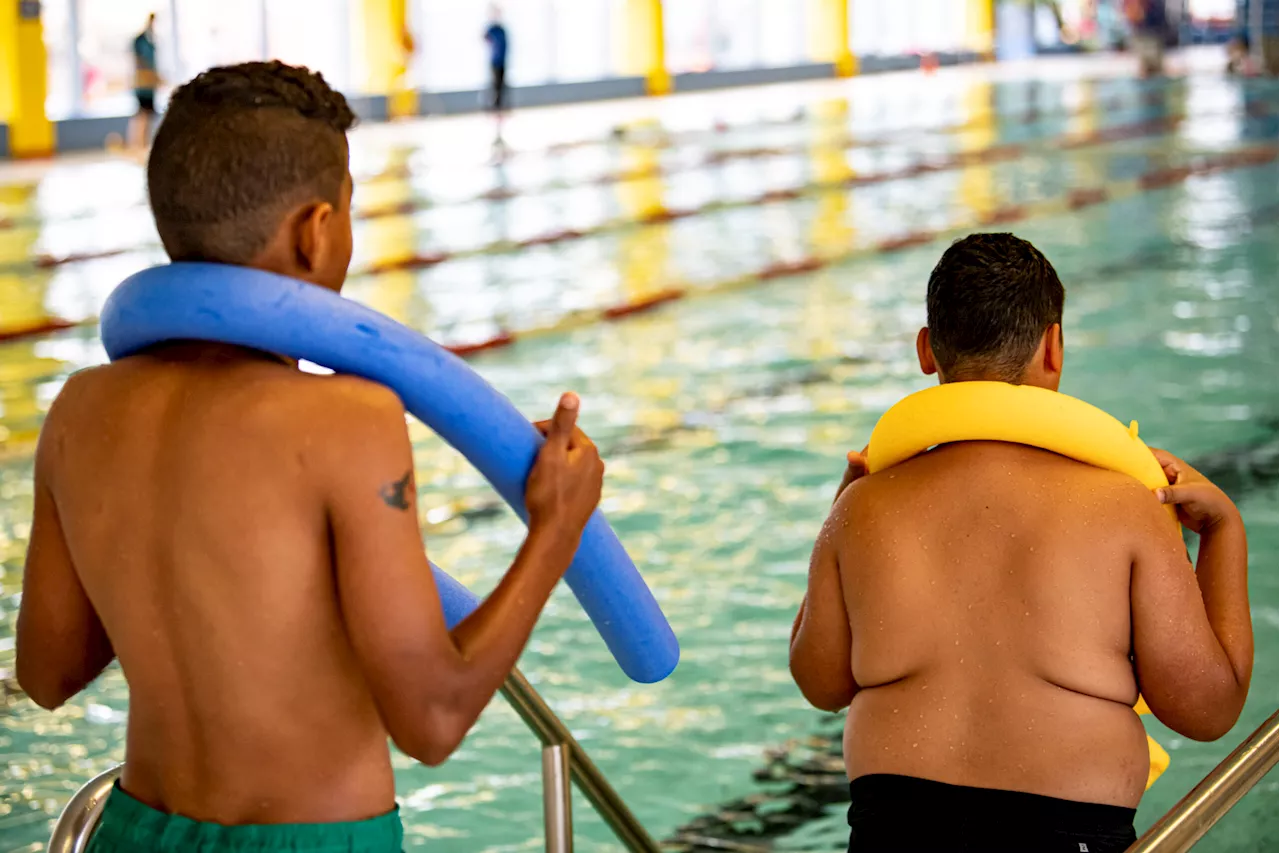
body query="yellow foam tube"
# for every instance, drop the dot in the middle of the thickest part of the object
(1021, 414)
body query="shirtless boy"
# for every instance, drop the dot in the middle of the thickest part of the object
(989, 612)
(244, 537)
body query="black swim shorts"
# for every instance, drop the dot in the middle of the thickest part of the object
(903, 814)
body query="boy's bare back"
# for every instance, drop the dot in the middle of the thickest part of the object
(244, 537)
(209, 562)
(989, 611)
(987, 587)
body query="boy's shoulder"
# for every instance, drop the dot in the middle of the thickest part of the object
(278, 393)
(1103, 494)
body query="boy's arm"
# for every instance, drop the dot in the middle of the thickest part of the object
(1192, 631)
(61, 644)
(821, 638)
(429, 684)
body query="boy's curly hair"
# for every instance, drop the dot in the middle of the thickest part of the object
(239, 147)
(990, 299)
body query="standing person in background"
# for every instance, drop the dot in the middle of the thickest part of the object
(1150, 22)
(496, 36)
(145, 81)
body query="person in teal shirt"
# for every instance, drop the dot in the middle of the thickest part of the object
(145, 80)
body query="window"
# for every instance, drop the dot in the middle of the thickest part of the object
(783, 34)
(691, 37)
(452, 55)
(314, 33)
(105, 30)
(218, 33)
(64, 90)
(582, 41)
(531, 41)
(879, 28)
(703, 35)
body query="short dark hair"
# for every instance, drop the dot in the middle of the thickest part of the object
(991, 297)
(238, 148)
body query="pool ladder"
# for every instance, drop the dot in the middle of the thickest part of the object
(564, 760)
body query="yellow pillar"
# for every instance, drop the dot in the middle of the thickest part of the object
(831, 233)
(829, 35)
(981, 27)
(641, 44)
(386, 49)
(24, 79)
(977, 185)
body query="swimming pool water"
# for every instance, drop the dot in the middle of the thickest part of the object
(725, 419)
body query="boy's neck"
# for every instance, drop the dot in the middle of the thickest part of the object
(214, 352)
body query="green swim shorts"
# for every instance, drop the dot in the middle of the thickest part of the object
(128, 826)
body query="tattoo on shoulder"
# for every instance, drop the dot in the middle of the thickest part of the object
(396, 495)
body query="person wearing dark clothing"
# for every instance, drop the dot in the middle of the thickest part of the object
(496, 36)
(145, 80)
(1150, 21)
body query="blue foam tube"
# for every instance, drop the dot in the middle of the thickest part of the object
(456, 599)
(251, 308)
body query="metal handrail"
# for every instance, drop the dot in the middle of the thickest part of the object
(591, 782)
(80, 817)
(1193, 816)
(562, 758)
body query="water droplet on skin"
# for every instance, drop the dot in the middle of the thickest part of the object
(915, 746)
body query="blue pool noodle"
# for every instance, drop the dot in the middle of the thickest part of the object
(237, 305)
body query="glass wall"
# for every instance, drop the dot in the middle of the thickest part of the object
(705, 35)
(880, 28)
(313, 33)
(90, 44)
(551, 41)
(451, 53)
(217, 33)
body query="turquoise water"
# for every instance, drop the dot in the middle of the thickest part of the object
(725, 420)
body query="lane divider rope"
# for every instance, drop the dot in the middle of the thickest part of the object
(999, 152)
(880, 139)
(1075, 200)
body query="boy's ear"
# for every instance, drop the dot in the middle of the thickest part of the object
(925, 353)
(312, 240)
(1053, 349)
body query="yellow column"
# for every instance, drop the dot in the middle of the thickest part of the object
(977, 184)
(641, 44)
(386, 48)
(981, 27)
(829, 35)
(831, 232)
(24, 79)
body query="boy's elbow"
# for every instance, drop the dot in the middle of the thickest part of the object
(50, 693)
(830, 701)
(1207, 719)
(822, 689)
(434, 740)
(1205, 730)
